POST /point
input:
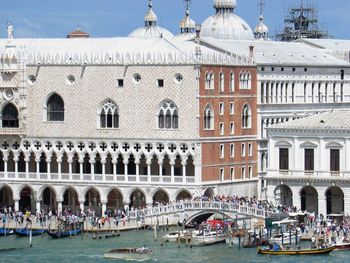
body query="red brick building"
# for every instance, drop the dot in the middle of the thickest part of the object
(228, 131)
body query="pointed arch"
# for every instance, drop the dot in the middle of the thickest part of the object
(168, 115)
(208, 117)
(9, 115)
(109, 114)
(183, 194)
(246, 116)
(160, 195)
(54, 108)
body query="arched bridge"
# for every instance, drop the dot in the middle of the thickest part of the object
(190, 209)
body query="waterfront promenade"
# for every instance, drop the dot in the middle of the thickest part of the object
(162, 215)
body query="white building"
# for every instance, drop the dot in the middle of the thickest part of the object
(309, 163)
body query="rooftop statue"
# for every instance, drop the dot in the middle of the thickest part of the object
(9, 31)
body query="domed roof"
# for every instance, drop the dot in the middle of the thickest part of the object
(226, 25)
(261, 30)
(151, 29)
(154, 31)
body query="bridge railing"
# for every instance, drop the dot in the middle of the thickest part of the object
(200, 205)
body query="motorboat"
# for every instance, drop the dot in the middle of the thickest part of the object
(174, 236)
(279, 251)
(142, 253)
(206, 238)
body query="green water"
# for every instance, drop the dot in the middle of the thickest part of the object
(84, 250)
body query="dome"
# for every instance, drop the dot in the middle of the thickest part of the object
(225, 24)
(154, 31)
(261, 30)
(151, 29)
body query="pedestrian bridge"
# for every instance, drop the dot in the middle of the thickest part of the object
(192, 209)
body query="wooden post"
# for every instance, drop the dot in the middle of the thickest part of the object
(296, 236)
(239, 241)
(178, 239)
(155, 232)
(290, 237)
(30, 238)
(282, 236)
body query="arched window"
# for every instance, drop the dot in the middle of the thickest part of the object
(208, 118)
(10, 116)
(168, 116)
(209, 80)
(222, 82)
(109, 117)
(245, 80)
(55, 108)
(232, 81)
(246, 117)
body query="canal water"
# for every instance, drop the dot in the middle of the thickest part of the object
(76, 249)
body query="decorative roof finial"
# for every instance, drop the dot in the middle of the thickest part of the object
(187, 25)
(261, 30)
(9, 31)
(261, 5)
(150, 18)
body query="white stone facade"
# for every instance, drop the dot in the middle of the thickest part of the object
(323, 188)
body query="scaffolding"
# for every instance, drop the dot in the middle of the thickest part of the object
(302, 22)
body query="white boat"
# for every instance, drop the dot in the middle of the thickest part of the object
(287, 238)
(142, 253)
(173, 236)
(207, 238)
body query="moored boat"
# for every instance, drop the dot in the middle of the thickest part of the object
(321, 251)
(208, 238)
(6, 232)
(63, 234)
(142, 253)
(24, 232)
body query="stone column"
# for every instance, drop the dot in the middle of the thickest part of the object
(16, 204)
(149, 162)
(92, 168)
(137, 163)
(114, 168)
(81, 205)
(184, 175)
(48, 169)
(172, 172)
(27, 168)
(5, 158)
(59, 168)
(160, 162)
(59, 206)
(104, 207)
(103, 163)
(297, 200)
(70, 161)
(322, 204)
(37, 206)
(81, 168)
(126, 162)
(16, 165)
(37, 162)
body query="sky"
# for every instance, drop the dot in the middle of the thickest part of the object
(110, 18)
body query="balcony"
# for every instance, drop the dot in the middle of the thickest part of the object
(300, 174)
(12, 131)
(99, 178)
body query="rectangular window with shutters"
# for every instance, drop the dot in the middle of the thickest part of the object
(335, 164)
(309, 160)
(284, 159)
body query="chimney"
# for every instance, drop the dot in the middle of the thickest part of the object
(198, 30)
(251, 53)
